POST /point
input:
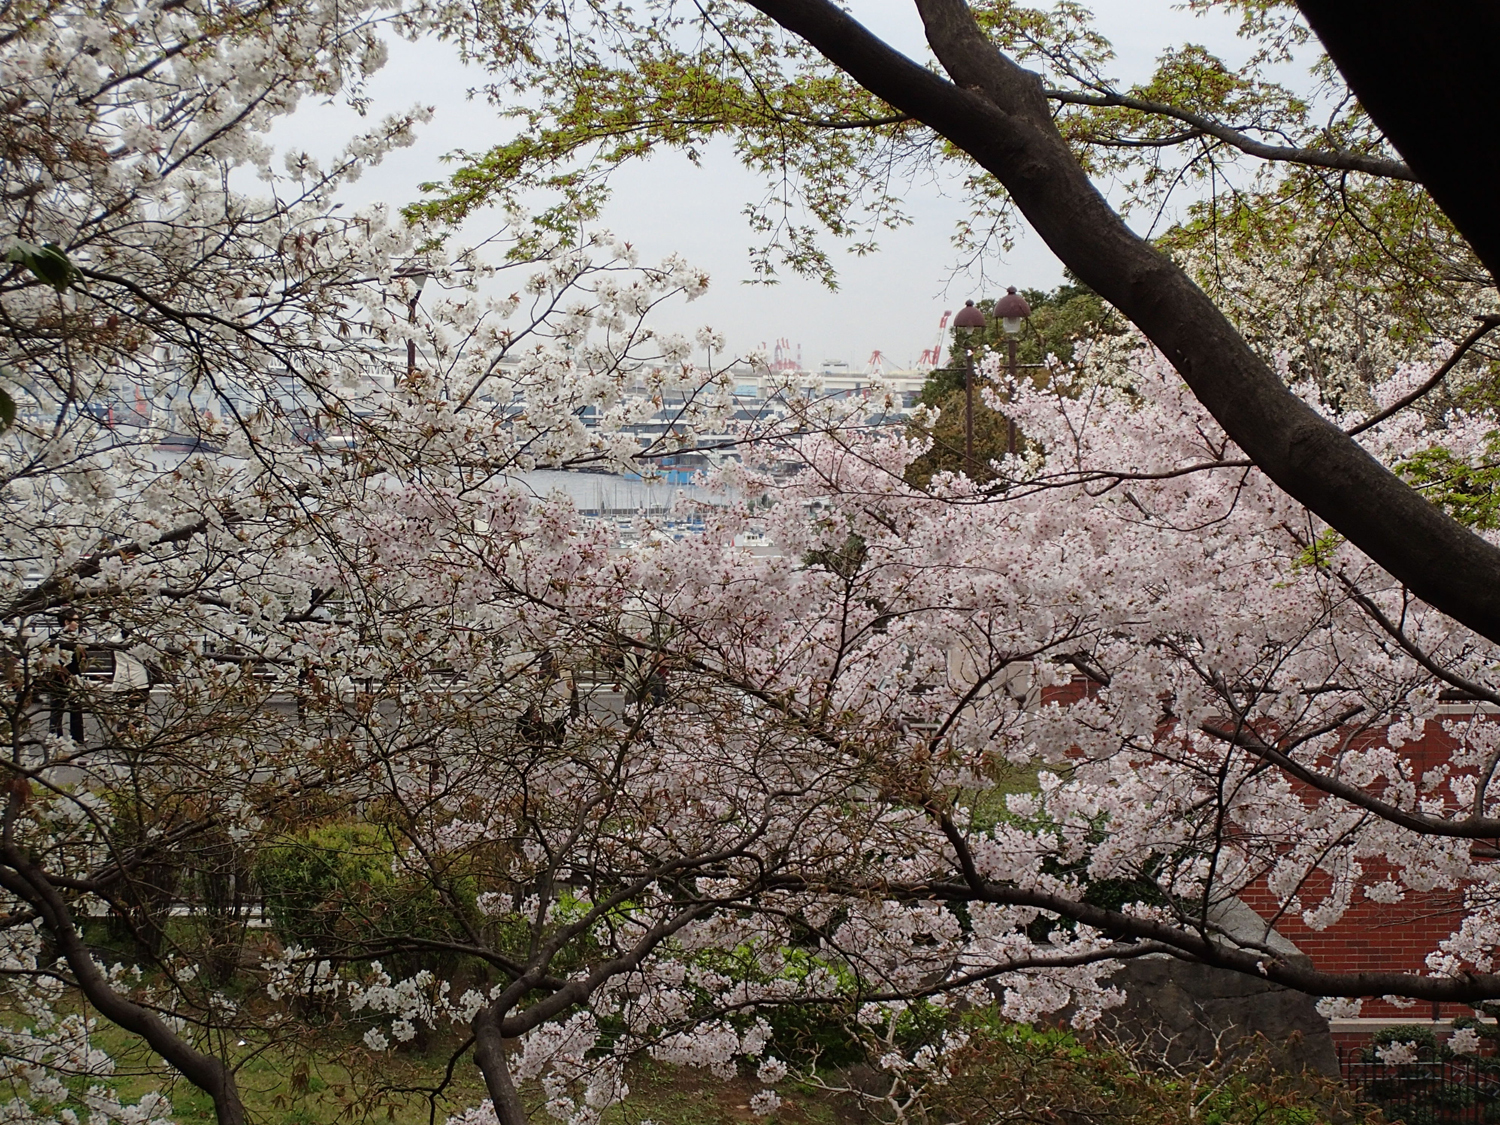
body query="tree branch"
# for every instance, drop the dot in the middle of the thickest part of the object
(489, 1057)
(1193, 946)
(1245, 737)
(1487, 324)
(1316, 158)
(25, 880)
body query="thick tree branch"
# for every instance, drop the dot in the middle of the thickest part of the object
(1471, 827)
(580, 989)
(1201, 945)
(1208, 950)
(25, 880)
(492, 1026)
(998, 113)
(44, 595)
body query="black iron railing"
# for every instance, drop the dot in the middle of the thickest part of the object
(1429, 1091)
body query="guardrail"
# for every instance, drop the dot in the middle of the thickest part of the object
(1432, 1090)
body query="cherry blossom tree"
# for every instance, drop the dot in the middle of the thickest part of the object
(274, 587)
(182, 593)
(818, 782)
(1020, 99)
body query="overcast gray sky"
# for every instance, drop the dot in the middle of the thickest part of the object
(890, 301)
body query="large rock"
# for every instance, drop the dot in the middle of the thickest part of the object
(1187, 1013)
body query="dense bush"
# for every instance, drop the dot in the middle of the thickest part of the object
(341, 890)
(1014, 1072)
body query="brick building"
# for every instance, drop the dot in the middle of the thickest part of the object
(1371, 936)
(1375, 936)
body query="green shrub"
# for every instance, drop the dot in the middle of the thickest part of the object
(802, 1033)
(1048, 1075)
(339, 890)
(1418, 1034)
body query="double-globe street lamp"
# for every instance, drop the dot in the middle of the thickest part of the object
(1011, 310)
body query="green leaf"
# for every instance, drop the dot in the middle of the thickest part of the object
(48, 263)
(7, 411)
(1319, 553)
(1469, 491)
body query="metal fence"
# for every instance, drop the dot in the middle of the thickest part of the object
(1430, 1091)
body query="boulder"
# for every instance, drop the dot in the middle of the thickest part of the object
(1187, 1013)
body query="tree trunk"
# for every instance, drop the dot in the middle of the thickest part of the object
(1425, 73)
(210, 1074)
(489, 1056)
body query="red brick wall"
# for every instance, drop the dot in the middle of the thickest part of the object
(1373, 936)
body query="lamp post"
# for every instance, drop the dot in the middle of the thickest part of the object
(1011, 309)
(968, 319)
(417, 272)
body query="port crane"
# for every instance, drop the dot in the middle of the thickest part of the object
(933, 356)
